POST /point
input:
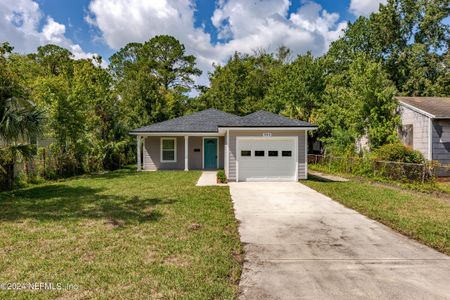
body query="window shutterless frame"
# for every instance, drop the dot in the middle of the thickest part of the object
(174, 149)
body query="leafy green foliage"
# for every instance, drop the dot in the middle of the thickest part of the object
(240, 85)
(20, 120)
(152, 80)
(221, 177)
(410, 40)
(398, 152)
(297, 88)
(358, 102)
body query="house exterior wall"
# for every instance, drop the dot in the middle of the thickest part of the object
(302, 167)
(221, 152)
(420, 128)
(152, 153)
(441, 141)
(195, 158)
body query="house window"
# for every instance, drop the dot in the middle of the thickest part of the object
(286, 153)
(259, 153)
(273, 153)
(168, 149)
(246, 153)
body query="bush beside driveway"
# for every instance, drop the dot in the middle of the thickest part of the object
(122, 235)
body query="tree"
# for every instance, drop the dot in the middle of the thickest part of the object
(20, 120)
(152, 79)
(409, 38)
(240, 85)
(297, 87)
(358, 102)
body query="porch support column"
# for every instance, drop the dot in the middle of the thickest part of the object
(139, 153)
(186, 153)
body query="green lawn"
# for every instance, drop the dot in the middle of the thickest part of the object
(444, 186)
(121, 235)
(417, 215)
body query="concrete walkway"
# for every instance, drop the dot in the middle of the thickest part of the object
(302, 245)
(208, 178)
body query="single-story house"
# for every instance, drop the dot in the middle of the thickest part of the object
(261, 146)
(425, 126)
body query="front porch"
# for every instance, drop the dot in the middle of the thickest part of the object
(180, 152)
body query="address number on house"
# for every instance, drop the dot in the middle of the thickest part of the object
(266, 134)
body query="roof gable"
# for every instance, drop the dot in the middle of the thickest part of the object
(434, 107)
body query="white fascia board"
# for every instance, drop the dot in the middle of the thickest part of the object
(417, 110)
(268, 128)
(177, 133)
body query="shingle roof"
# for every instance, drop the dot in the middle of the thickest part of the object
(263, 118)
(437, 107)
(211, 119)
(202, 121)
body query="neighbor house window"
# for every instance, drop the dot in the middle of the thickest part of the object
(286, 153)
(259, 153)
(273, 153)
(246, 153)
(168, 149)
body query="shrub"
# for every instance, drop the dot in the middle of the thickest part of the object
(221, 177)
(398, 152)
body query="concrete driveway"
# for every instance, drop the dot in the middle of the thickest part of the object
(301, 244)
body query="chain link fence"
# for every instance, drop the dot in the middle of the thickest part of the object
(406, 172)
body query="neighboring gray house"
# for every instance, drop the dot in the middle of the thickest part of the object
(425, 126)
(259, 146)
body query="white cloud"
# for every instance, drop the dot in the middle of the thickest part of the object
(365, 7)
(242, 26)
(19, 23)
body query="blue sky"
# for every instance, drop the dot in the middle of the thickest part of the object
(72, 14)
(211, 30)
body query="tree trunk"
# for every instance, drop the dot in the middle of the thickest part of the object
(10, 176)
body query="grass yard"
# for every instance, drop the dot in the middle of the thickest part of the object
(444, 186)
(417, 215)
(123, 235)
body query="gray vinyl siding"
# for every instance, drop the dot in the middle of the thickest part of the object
(302, 168)
(421, 127)
(195, 158)
(441, 141)
(152, 153)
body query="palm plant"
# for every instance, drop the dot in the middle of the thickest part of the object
(20, 120)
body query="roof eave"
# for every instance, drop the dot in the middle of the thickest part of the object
(312, 127)
(168, 133)
(420, 111)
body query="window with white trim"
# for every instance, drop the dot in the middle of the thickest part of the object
(168, 149)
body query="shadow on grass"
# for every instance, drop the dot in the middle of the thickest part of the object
(59, 202)
(316, 178)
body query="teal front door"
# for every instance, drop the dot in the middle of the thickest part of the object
(210, 154)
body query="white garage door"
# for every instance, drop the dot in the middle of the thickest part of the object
(267, 159)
